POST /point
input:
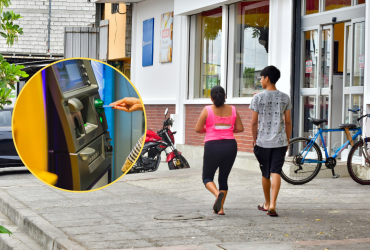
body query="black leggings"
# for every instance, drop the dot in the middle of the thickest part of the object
(219, 154)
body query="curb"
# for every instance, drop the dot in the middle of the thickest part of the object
(48, 236)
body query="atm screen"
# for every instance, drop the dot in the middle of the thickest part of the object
(68, 75)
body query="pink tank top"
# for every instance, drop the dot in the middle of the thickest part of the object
(213, 133)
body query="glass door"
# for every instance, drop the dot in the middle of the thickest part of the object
(316, 82)
(353, 73)
(309, 80)
(326, 80)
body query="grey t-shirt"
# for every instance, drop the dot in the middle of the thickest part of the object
(271, 106)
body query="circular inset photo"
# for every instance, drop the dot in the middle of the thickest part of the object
(75, 123)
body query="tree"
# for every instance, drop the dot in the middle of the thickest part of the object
(9, 73)
(248, 76)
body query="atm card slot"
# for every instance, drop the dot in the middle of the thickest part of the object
(90, 127)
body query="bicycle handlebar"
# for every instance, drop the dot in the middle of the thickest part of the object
(367, 115)
(354, 110)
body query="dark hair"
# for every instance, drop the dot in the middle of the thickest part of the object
(218, 96)
(272, 72)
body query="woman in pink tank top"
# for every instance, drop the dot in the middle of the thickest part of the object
(219, 122)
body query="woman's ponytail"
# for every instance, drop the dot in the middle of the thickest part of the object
(218, 96)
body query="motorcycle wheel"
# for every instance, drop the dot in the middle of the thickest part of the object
(172, 166)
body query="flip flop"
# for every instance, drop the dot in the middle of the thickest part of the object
(273, 214)
(218, 202)
(262, 208)
(221, 213)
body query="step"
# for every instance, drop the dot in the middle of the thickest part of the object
(18, 240)
(30, 224)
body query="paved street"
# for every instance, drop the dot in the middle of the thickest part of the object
(174, 210)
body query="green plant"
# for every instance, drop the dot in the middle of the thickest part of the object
(12, 31)
(9, 73)
(3, 230)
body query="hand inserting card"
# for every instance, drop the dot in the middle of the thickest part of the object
(128, 104)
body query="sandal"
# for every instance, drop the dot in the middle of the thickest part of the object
(262, 208)
(218, 202)
(271, 213)
(221, 213)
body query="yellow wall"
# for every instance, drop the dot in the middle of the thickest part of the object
(30, 129)
(117, 31)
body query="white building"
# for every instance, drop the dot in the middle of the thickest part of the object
(228, 42)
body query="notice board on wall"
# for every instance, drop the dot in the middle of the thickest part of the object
(148, 37)
(166, 36)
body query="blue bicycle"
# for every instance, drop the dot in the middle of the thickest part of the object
(304, 158)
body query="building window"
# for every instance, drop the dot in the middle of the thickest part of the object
(252, 40)
(207, 57)
(337, 4)
(312, 6)
(359, 54)
(309, 110)
(311, 52)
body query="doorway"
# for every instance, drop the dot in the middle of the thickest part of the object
(332, 77)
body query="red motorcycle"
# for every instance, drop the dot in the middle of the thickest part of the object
(155, 143)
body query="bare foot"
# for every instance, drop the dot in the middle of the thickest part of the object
(221, 212)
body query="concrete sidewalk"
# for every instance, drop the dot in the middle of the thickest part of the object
(174, 210)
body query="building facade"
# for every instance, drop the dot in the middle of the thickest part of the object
(319, 46)
(223, 43)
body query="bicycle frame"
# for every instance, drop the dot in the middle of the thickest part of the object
(339, 150)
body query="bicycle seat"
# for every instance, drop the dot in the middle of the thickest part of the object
(347, 125)
(317, 122)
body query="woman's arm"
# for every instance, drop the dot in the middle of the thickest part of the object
(199, 128)
(238, 128)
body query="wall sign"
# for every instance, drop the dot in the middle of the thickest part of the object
(309, 66)
(166, 36)
(148, 37)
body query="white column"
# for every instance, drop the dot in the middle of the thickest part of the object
(183, 78)
(280, 40)
(367, 66)
(224, 39)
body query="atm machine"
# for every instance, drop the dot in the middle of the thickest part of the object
(79, 145)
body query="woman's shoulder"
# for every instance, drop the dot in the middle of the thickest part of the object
(227, 106)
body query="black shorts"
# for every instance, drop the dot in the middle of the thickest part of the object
(271, 159)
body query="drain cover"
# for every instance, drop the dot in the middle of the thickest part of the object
(190, 216)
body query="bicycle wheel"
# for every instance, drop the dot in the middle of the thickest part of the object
(293, 171)
(357, 164)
